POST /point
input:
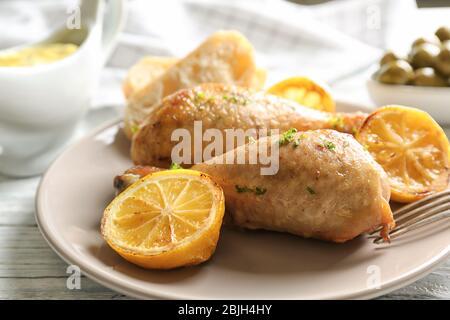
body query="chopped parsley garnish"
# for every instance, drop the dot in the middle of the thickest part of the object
(234, 99)
(287, 136)
(242, 189)
(354, 130)
(200, 95)
(297, 141)
(260, 191)
(310, 190)
(329, 145)
(174, 166)
(134, 128)
(257, 191)
(337, 122)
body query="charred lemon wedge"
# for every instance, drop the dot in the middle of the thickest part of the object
(306, 92)
(411, 147)
(165, 220)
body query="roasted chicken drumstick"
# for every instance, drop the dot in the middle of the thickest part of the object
(327, 187)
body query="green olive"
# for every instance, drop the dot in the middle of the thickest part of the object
(442, 64)
(443, 33)
(424, 55)
(388, 57)
(428, 77)
(432, 40)
(395, 72)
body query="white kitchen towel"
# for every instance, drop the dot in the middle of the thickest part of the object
(287, 37)
(290, 39)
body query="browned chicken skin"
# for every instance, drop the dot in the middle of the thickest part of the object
(223, 107)
(130, 176)
(329, 193)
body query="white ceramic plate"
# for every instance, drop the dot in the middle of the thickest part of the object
(246, 265)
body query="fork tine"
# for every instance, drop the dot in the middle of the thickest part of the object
(423, 212)
(419, 203)
(397, 232)
(417, 214)
(409, 215)
(412, 208)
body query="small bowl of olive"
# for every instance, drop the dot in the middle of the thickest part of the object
(421, 79)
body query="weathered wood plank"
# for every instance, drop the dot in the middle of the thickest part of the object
(17, 201)
(53, 288)
(24, 253)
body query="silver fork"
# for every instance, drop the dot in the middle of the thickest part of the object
(418, 214)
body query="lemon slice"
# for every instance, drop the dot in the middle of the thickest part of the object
(411, 147)
(165, 220)
(306, 92)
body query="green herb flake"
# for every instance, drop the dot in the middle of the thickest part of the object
(174, 166)
(354, 131)
(287, 136)
(251, 140)
(242, 189)
(299, 139)
(257, 191)
(134, 128)
(329, 145)
(200, 95)
(260, 191)
(234, 99)
(337, 122)
(310, 190)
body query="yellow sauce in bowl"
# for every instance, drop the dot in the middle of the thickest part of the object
(37, 55)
